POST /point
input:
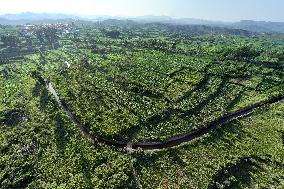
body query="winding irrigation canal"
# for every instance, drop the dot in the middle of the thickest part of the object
(170, 142)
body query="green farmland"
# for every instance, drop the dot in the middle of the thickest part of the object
(131, 83)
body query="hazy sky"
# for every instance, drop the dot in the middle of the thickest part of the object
(227, 10)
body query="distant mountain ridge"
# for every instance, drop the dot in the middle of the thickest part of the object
(184, 21)
(249, 25)
(260, 26)
(37, 16)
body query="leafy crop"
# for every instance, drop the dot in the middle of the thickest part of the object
(139, 82)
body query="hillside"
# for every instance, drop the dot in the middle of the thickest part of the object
(249, 25)
(122, 104)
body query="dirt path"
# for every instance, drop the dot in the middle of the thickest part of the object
(171, 142)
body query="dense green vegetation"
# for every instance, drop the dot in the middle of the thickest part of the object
(41, 148)
(142, 89)
(139, 82)
(247, 153)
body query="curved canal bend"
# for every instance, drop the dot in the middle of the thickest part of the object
(170, 142)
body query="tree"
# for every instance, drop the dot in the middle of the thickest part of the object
(51, 35)
(113, 34)
(40, 35)
(245, 53)
(29, 42)
(10, 40)
(47, 34)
